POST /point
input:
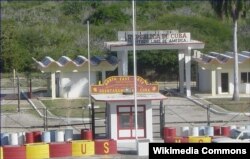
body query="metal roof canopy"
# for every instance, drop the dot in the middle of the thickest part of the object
(64, 63)
(220, 58)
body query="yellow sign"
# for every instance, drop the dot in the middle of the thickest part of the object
(117, 84)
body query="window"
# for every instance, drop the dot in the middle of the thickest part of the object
(124, 120)
(245, 77)
(248, 75)
(140, 120)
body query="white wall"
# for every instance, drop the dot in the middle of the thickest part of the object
(244, 87)
(204, 80)
(75, 84)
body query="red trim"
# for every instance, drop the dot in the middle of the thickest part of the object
(131, 119)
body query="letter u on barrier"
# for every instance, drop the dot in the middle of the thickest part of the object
(83, 148)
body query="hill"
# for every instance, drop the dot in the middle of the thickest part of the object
(55, 28)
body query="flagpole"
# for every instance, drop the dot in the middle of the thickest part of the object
(135, 71)
(89, 66)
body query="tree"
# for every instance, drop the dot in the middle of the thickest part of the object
(234, 9)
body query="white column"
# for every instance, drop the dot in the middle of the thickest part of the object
(188, 71)
(103, 76)
(213, 82)
(48, 86)
(181, 70)
(53, 86)
(123, 63)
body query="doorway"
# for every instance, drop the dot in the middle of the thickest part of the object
(224, 82)
(126, 122)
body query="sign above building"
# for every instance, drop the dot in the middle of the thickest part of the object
(154, 37)
(118, 84)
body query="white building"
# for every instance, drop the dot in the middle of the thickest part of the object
(70, 78)
(216, 72)
(120, 107)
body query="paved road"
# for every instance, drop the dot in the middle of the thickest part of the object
(179, 111)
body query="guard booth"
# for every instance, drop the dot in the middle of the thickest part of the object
(118, 93)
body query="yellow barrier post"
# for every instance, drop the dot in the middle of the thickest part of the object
(37, 151)
(1, 153)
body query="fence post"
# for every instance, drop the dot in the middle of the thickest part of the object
(30, 89)
(162, 118)
(18, 94)
(93, 120)
(208, 114)
(46, 118)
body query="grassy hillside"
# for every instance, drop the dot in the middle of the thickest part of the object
(56, 28)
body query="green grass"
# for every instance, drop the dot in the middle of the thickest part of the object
(38, 29)
(227, 103)
(13, 108)
(71, 107)
(9, 108)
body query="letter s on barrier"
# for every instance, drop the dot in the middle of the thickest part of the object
(106, 147)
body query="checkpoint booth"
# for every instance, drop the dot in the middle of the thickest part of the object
(118, 93)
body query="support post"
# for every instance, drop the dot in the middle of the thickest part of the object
(103, 76)
(213, 82)
(53, 87)
(188, 71)
(123, 63)
(181, 70)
